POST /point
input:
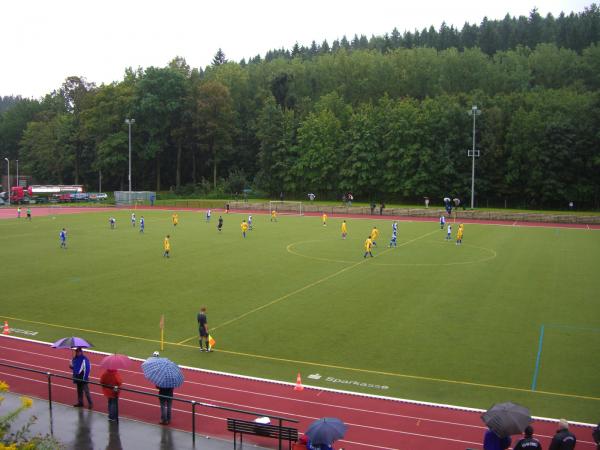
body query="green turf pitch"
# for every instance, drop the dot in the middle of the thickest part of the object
(428, 320)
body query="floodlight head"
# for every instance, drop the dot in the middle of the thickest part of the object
(6, 159)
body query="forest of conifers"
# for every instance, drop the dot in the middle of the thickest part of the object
(385, 118)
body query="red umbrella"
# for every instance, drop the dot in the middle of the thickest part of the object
(115, 362)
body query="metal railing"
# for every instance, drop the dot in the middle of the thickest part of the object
(194, 404)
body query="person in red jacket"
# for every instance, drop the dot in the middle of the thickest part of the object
(111, 379)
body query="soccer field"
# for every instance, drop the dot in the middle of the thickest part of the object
(512, 314)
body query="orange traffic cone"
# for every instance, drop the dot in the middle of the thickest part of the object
(6, 330)
(299, 386)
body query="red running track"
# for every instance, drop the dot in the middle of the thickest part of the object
(373, 422)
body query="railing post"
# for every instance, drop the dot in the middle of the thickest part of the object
(194, 422)
(280, 424)
(49, 375)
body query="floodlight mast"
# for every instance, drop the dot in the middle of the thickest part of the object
(473, 153)
(129, 122)
(8, 177)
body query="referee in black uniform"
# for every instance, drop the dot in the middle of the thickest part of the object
(203, 328)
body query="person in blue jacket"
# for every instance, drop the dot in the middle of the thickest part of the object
(81, 367)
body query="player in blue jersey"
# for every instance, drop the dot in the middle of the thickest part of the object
(63, 238)
(112, 222)
(250, 223)
(208, 213)
(142, 224)
(449, 234)
(442, 222)
(133, 220)
(394, 235)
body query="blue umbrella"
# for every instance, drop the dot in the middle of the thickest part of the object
(162, 372)
(71, 342)
(326, 430)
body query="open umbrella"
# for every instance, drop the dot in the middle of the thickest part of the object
(506, 419)
(115, 362)
(162, 372)
(71, 342)
(326, 430)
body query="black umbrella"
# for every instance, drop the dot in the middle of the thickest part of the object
(506, 419)
(326, 430)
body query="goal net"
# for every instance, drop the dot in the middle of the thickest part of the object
(286, 207)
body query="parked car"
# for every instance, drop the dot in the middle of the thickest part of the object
(97, 196)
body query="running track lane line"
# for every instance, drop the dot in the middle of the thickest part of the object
(406, 439)
(242, 391)
(311, 417)
(435, 435)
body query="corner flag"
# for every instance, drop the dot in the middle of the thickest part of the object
(211, 342)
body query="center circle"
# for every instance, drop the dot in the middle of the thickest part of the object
(419, 253)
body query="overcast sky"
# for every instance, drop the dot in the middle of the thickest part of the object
(45, 41)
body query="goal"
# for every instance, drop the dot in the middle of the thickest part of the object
(286, 207)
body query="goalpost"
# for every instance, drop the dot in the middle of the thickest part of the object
(286, 207)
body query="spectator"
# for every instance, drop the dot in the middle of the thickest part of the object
(491, 441)
(81, 367)
(426, 202)
(528, 442)
(373, 205)
(381, 208)
(571, 205)
(227, 208)
(563, 439)
(111, 379)
(596, 436)
(166, 403)
(311, 196)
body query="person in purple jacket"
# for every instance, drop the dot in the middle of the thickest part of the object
(491, 441)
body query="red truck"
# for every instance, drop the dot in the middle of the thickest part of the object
(42, 194)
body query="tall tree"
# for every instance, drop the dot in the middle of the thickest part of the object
(214, 119)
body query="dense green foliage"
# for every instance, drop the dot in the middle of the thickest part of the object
(386, 122)
(432, 320)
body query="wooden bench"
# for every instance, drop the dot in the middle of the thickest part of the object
(242, 427)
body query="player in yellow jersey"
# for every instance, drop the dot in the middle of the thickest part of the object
(244, 227)
(459, 234)
(344, 230)
(368, 247)
(374, 234)
(167, 246)
(324, 219)
(175, 219)
(273, 216)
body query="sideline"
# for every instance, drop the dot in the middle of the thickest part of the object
(322, 365)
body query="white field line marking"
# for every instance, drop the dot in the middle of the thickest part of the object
(315, 283)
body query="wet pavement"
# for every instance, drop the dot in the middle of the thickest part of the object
(83, 429)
